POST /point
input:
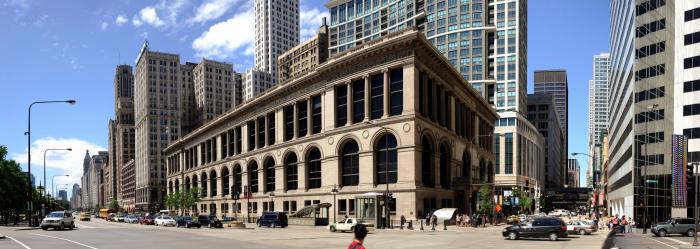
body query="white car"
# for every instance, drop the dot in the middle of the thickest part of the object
(165, 220)
(347, 225)
(58, 221)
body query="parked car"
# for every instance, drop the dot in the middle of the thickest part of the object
(273, 219)
(119, 218)
(110, 217)
(348, 225)
(187, 222)
(164, 220)
(84, 217)
(580, 227)
(131, 219)
(58, 220)
(147, 220)
(539, 227)
(674, 226)
(210, 221)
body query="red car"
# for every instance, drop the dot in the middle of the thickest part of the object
(147, 220)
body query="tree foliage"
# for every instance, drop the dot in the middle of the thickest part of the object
(525, 199)
(183, 200)
(114, 206)
(13, 189)
(485, 202)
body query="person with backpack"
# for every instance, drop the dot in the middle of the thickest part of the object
(360, 232)
(624, 224)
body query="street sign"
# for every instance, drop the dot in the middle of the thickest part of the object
(652, 181)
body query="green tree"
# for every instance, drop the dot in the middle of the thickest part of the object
(485, 201)
(13, 189)
(190, 198)
(114, 206)
(524, 198)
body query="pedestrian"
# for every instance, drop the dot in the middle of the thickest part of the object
(467, 222)
(403, 221)
(360, 232)
(623, 224)
(632, 224)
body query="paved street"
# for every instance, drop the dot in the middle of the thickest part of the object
(101, 234)
(638, 240)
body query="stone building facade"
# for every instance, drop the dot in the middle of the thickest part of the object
(305, 56)
(392, 110)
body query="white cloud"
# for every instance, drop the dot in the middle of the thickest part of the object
(227, 37)
(60, 162)
(104, 25)
(310, 20)
(148, 15)
(211, 9)
(121, 20)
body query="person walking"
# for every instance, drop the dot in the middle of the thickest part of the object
(623, 224)
(360, 232)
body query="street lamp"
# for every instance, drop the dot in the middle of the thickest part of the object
(386, 174)
(29, 153)
(334, 191)
(46, 196)
(696, 168)
(646, 155)
(595, 185)
(53, 188)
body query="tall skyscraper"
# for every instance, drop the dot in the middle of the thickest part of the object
(555, 82)
(63, 195)
(543, 115)
(255, 82)
(486, 42)
(157, 116)
(276, 31)
(598, 98)
(214, 89)
(573, 170)
(85, 182)
(121, 128)
(654, 76)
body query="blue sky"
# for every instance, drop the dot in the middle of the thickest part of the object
(68, 50)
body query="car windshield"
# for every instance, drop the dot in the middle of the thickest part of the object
(166, 217)
(55, 215)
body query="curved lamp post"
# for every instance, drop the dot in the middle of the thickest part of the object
(46, 193)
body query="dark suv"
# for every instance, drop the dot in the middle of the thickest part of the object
(210, 221)
(540, 227)
(273, 219)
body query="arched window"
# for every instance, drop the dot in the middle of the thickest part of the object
(238, 179)
(253, 176)
(212, 181)
(170, 186)
(291, 171)
(195, 183)
(313, 166)
(491, 173)
(224, 182)
(204, 185)
(386, 159)
(177, 185)
(350, 163)
(482, 170)
(427, 167)
(466, 166)
(269, 175)
(445, 169)
(187, 184)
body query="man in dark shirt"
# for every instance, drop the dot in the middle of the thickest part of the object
(360, 234)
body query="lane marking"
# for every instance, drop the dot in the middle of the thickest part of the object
(661, 242)
(19, 242)
(677, 241)
(74, 242)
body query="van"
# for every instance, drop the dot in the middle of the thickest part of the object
(273, 219)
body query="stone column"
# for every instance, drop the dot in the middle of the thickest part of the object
(280, 177)
(301, 172)
(410, 89)
(309, 127)
(367, 171)
(266, 128)
(296, 117)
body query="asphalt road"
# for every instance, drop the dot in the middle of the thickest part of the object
(101, 234)
(637, 240)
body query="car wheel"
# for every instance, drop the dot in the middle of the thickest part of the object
(662, 233)
(332, 229)
(209, 226)
(512, 236)
(259, 224)
(582, 232)
(553, 236)
(61, 226)
(44, 228)
(71, 226)
(274, 225)
(691, 233)
(187, 225)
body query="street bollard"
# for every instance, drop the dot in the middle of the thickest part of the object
(410, 225)
(444, 223)
(433, 226)
(421, 225)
